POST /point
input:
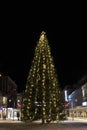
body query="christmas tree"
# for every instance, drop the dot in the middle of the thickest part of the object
(42, 98)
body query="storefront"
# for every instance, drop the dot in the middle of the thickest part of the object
(3, 112)
(79, 112)
(9, 113)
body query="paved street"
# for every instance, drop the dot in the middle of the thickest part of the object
(65, 125)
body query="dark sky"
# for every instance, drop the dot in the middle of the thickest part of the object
(66, 32)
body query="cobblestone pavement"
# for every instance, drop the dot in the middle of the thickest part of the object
(64, 125)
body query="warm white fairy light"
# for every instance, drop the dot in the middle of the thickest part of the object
(42, 36)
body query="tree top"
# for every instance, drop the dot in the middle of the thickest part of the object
(42, 35)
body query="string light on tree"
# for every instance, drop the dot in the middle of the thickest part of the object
(43, 94)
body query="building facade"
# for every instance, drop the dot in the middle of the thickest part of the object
(8, 95)
(77, 101)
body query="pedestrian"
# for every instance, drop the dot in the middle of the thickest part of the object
(18, 115)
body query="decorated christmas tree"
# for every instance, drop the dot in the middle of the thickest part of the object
(42, 98)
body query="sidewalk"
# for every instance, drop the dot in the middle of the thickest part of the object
(69, 119)
(77, 119)
(10, 121)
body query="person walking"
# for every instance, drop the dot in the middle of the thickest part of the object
(18, 115)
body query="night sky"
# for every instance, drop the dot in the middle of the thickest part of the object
(20, 31)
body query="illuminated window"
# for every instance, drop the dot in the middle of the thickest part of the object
(66, 98)
(83, 92)
(4, 100)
